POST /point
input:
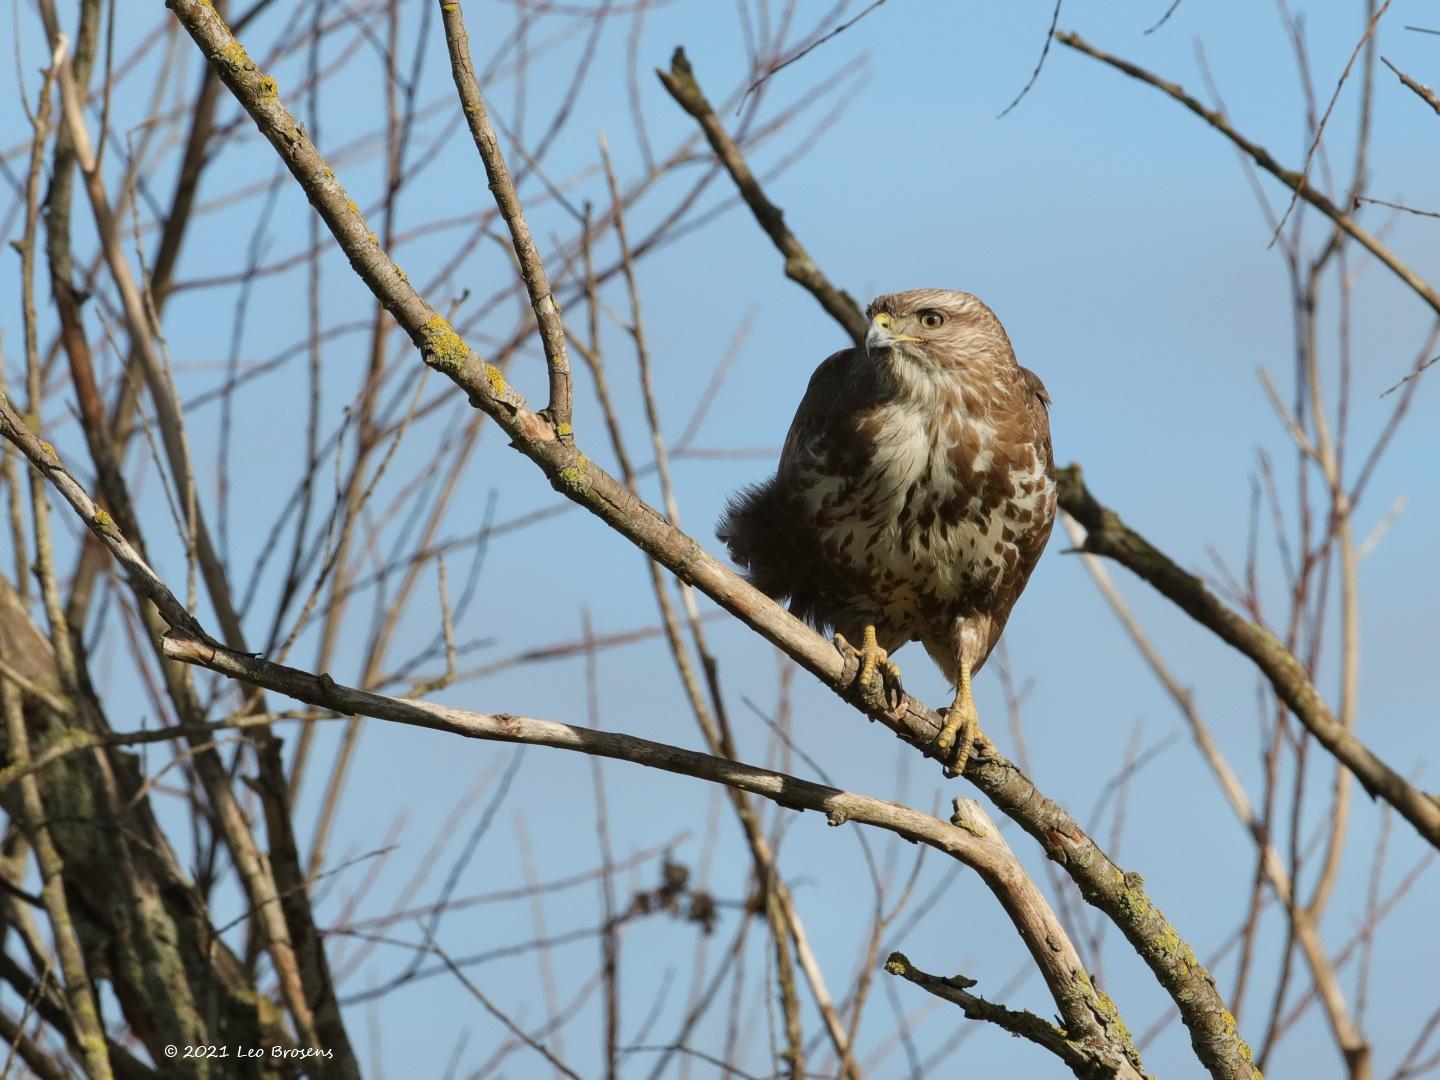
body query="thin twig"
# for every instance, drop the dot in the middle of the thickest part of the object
(806, 51)
(1039, 64)
(1262, 157)
(1420, 89)
(1302, 182)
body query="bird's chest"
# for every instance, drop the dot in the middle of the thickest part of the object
(912, 511)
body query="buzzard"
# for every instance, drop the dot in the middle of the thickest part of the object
(914, 495)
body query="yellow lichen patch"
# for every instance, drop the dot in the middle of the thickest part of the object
(444, 349)
(1169, 944)
(498, 385)
(968, 825)
(897, 964)
(1119, 1031)
(1245, 1050)
(104, 523)
(234, 55)
(1087, 994)
(1133, 899)
(574, 478)
(564, 430)
(269, 89)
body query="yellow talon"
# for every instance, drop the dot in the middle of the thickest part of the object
(875, 693)
(962, 725)
(872, 653)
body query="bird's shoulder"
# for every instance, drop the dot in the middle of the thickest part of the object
(1033, 388)
(838, 393)
(1037, 409)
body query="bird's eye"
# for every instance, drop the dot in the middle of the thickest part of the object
(932, 320)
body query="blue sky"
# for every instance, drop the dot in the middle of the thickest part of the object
(1117, 238)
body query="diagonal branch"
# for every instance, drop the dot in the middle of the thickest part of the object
(1090, 1018)
(1107, 534)
(1121, 896)
(1304, 924)
(1018, 1022)
(1293, 180)
(532, 268)
(799, 266)
(1420, 89)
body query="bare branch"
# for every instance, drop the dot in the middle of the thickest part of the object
(1107, 534)
(1262, 157)
(799, 266)
(1121, 896)
(1420, 89)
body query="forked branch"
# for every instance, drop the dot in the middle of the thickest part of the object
(1121, 896)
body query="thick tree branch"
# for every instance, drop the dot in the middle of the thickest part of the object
(1121, 896)
(1107, 534)
(1304, 926)
(971, 837)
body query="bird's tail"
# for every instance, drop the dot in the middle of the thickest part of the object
(757, 530)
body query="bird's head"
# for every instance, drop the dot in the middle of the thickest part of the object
(939, 330)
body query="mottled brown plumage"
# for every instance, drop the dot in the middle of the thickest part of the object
(914, 494)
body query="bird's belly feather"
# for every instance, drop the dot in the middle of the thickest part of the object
(927, 542)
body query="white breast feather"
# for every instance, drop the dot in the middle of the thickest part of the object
(949, 563)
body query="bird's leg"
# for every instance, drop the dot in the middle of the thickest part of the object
(962, 724)
(878, 679)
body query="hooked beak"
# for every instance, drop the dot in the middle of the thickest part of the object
(882, 335)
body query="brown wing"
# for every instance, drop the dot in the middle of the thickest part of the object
(813, 441)
(763, 526)
(1034, 533)
(1037, 407)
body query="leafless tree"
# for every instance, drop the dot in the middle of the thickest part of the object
(200, 535)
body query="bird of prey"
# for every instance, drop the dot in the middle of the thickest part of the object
(915, 492)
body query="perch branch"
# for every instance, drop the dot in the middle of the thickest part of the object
(1121, 896)
(970, 837)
